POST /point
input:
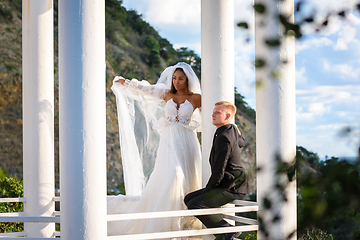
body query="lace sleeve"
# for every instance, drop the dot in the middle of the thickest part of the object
(140, 88)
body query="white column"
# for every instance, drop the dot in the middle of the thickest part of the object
(275, 116)
(82, 119)
(217, 66)
(38, 114)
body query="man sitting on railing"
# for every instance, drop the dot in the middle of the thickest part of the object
(228, 179)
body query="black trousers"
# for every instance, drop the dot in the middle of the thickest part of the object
(211, 198)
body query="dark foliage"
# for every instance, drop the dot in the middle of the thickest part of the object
(166, 49)
(189, 56)
(153, 50)
(244, 107)
(138, 24)
(11, 188)
(117, 12)
(329, 195)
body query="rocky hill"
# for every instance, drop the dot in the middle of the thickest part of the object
(133, 49)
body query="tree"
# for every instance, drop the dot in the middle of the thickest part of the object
(191, 58)
(166, 49)
(329, 193)
(244, 107)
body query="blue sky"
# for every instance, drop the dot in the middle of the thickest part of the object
(327, 66)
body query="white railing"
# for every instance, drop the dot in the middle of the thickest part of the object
(3, 200)
(246, 206)
(20, 217)
(240, 206)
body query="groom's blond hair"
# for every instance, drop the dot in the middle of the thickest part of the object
(229, 106)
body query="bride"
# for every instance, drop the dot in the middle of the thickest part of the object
(176, 151)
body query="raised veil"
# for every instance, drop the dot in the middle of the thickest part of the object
(140, 110)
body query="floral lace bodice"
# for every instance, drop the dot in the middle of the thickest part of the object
(181, 114)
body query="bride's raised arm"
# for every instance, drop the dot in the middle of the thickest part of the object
(140, 88)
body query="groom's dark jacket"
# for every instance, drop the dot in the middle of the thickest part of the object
(227, 171)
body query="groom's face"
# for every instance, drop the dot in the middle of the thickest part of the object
(220, 116)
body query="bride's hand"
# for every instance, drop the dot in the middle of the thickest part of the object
(119, 79)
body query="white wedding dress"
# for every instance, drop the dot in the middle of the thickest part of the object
(176, 172)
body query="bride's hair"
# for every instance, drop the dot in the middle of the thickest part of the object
(173, 89)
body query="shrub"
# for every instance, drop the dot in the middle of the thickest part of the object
(252, 236)
(2, 174)
(11, 188)
(316, 234)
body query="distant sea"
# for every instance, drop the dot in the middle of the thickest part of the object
(349, 159)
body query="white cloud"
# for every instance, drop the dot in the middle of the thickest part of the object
(305, 116)
(327, 105)
(340, 44)
(245, 72)
(313, 43)
(317, 108)
(345, 71)
(331, 94)
(343, 114)
(345, 36)
(179, 12)
(333, 127)
(300, 76)
(343, 95)
(353, 19)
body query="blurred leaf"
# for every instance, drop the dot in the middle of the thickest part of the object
(275, 74)
(284, 61)
(259, 63)
(291, 174)
(273, 42)
(320, 208)
(298, 6)
(259, 83)
(325, 23)
(267, 203)
(309, 191)
(341, 14)
(345, 131)
(309, 19)
(260, 8)
(293, 29)
(291, 33)
(291, 235)
(243, 25)
(276, 218)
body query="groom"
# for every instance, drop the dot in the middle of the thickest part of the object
(228, 179)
